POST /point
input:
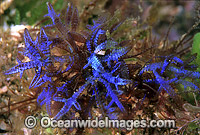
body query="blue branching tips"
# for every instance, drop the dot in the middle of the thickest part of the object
(34, 50)
(21, 67)
(98, 71)
(179, 74)
(68, 103)
(51, 70)
(99, 74)
(73, 70)
(38, 52)
(45, 97)
(52, 14)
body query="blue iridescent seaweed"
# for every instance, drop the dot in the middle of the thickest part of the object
(97, 23)
(69, 102)
(45, 97)
(52, 14)
(116, 54)
(38, 52)
(99, 32)
(99, 74)
(168, 60)
(42, 80)
(61, 27)
(179, 75)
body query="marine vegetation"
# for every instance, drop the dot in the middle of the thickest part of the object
(82, 71)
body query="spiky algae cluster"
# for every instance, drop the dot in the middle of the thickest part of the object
(103, 69)
(96, 66)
